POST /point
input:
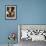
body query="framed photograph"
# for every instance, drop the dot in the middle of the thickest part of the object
(10, 12)
(33, 32)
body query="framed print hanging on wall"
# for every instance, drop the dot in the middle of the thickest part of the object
(10, 12)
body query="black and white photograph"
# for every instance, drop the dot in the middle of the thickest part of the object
(31, 34)
(11, 12)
